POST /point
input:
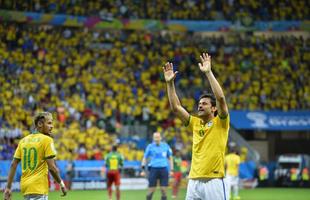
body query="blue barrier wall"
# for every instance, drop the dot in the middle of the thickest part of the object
(246, 170)
(5, 167)
(61, 164)
(270, 120)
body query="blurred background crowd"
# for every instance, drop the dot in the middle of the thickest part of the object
(95, 82)
(176, 9)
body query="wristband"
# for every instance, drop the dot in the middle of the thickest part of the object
(62, 184)
(143, 167)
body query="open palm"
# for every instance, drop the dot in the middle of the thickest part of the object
(205, 65)
(168, 72)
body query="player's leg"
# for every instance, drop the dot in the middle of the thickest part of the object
(69, 183)
(164, 180)
(192, 190)
(176, 184)
(117, 185)
(110, 180)
(150, 193)
(235, 188)
(163, 191)
(214, 189)
(228, 180)
(152, 183)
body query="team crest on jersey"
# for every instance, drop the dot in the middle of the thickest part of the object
(201, 132)
(209, 124)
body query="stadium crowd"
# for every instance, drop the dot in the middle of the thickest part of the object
(175, 9)
(95, 82)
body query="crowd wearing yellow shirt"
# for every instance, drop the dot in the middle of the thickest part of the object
(178, 9)
(95, 82)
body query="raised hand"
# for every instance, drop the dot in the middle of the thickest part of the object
(168, 72)
(205, 65)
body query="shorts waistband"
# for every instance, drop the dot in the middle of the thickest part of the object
(204, 179)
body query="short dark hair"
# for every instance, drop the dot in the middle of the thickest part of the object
(234, 150)
(114, 148)
(41, 117)
(210, 96)
(212, 99)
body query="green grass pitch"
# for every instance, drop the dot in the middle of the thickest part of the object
(250, 194)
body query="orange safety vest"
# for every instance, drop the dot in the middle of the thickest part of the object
(293, 174)
(305, 174)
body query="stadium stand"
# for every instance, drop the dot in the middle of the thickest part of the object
(235, 10)
(97, 81)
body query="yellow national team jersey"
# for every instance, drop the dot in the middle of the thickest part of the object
(32, 152)
(232, 162)
(209, 143)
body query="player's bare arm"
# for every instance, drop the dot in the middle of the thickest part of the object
(205, 67)
(55, 173)
(143, 164)
(7, 194)
(174, 101)
(171, 165)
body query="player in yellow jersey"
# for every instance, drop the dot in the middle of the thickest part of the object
(210, 133)
(232, 162)
(36, 152)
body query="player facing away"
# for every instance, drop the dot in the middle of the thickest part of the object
(114, 162)
(36, 152)
(232, 162)
(210, 133)
(177, 173)
(157, 157)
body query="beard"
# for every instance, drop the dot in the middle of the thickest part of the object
(202, 113)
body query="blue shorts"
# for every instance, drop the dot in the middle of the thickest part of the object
(158, 173)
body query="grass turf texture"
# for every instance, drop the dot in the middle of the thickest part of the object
(251, 194)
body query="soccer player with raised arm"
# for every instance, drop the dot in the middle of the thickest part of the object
(210, 133)
(36, 152)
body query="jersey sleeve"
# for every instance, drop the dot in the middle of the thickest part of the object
(224, 121)
(190, 122)
(226, 159)
(106, 157)
(49, 148)
(147, 152)
(107, 160)
(169, 152)
(121, 160)
(17, 154)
